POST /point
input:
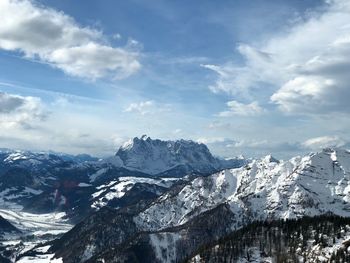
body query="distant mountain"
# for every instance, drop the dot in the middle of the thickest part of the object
(47, 182)
(35, 186)
(27, 159)
(187, 217)
(80, 158)
(171, 158)
(40, 191)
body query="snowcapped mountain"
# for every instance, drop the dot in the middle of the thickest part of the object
(168, 229)
(64, 189)
(40, 159)
(24, 175)
(28, 160)
(134, 209)
(171, 158)
(46, 182)
(125, 191)
(264, 189)
(43, 182)
(44, 194)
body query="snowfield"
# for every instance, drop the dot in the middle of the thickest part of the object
(37, 225)
(47, 258)
(117, 188)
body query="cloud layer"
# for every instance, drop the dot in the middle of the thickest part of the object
(147, 107)
(307, 65)
(240, 109)
(21, 111)
(323, 142)
(52, 37)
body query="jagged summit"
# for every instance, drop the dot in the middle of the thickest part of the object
(270, 159)
(303, 186)
(156, 156)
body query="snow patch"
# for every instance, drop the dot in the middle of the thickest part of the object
(164, 245)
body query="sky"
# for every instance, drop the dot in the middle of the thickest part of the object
(244, 77)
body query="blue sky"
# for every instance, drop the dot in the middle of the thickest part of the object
(244, 77)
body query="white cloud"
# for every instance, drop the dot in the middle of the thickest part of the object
(146, 107)
(118, 140)
(21, 111)
(117, 36)
(307, 65)
(94, 61)
(227, 81)
(248, 144)
(177, 131)
(240, 80)
(324, 142)
(52, 37)
(210, 140)
(259, 147)
(142, 107)
(311, 95)
(240, 109)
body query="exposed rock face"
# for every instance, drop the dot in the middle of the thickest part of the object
(171, 158)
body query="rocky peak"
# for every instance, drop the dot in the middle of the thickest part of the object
(156, 156)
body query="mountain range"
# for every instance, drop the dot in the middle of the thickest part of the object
(46, 182)
(173, 201)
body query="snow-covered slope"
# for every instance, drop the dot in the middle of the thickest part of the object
(46, 182)
(35, 229)
(170, 157)
(166, 217)
(40, 158)
(266, 188)
(119, 189)
(43, 182)
(171, 227)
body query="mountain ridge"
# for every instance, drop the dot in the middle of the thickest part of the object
(156, 156)
(265, 189)
(165, 216)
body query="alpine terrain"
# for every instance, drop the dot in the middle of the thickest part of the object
(43, 195)
(247, 105)
(172, 201)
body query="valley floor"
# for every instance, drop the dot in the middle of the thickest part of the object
(35, 229)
